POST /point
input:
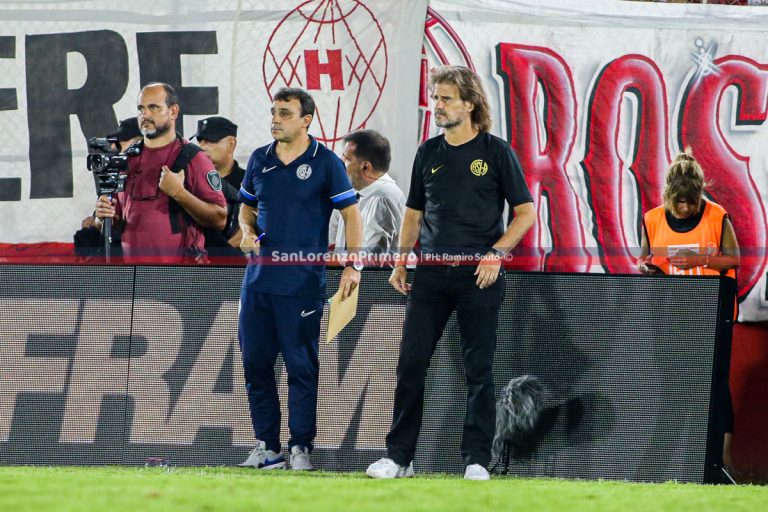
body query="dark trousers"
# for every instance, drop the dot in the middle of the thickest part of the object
(269, 324)
(438, 291)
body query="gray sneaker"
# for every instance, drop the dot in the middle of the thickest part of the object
(261, 458)
(300, 458)
(387, 468)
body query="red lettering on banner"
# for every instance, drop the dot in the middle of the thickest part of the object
(637, 75)
(332, 68)
(523, 69)
(732, 185)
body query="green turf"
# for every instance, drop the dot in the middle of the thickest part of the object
(115, 489)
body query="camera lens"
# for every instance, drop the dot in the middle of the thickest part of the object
(96, 163)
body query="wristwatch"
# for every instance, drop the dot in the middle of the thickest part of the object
(498, 252)
(355, 264)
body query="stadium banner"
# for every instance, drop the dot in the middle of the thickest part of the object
(597, 98)
(70, 70)
(121, 365)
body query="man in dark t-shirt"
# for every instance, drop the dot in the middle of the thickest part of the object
(459, 184)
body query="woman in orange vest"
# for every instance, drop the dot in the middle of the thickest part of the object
(690, 235)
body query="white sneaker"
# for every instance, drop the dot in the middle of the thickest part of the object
(387, 468)
(300, 458)
(261, 458)
(476, 472)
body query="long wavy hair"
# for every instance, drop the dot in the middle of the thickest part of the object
(470, 89)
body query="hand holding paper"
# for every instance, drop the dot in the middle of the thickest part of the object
(341, 312)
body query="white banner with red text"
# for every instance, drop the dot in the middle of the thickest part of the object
(597, 98)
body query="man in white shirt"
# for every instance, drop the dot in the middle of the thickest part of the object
(367, 156)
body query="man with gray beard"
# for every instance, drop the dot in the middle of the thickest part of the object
(460, 182)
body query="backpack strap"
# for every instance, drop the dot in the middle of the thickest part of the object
(176, 213)
(187, 153)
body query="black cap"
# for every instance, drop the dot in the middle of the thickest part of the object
(127, 129)
(214, 129)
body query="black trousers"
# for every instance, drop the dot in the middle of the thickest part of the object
(437, 291)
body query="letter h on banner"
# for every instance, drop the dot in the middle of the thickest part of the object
(332, 68)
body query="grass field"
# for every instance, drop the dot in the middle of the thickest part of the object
(116, 489)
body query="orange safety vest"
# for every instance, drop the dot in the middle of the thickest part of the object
(705, 238)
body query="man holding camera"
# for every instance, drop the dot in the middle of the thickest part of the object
(88, 238)
(162, 213)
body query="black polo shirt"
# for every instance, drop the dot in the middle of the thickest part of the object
(461, 190)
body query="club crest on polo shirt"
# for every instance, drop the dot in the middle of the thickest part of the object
(478, 167)
(214, 180)
(303, 171)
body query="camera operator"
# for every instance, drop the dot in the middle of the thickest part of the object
(163, 213)
(88, 238)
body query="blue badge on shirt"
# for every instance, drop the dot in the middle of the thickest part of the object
(214, 180)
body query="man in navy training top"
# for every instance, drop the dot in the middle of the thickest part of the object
(290, 189)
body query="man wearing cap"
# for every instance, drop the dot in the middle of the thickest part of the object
(217, 136)
(127, 133)
(163, 213)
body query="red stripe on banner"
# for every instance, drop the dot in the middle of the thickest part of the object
(41, 252)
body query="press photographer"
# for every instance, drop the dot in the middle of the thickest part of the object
(172, 190)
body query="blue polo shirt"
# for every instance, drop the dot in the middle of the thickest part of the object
(294, 203)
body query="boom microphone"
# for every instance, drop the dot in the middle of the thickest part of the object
(517, 412)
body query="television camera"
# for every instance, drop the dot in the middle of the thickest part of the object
(108, 164)
(109, 167)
